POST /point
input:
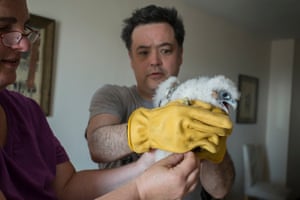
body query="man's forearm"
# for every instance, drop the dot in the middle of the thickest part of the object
(217, 179)
(109, 143)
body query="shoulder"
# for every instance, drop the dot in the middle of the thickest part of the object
(17, 98)
(17, 102)
(109, 91)
(113, 99)
(115, 88)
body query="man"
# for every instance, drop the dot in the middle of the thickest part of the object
(154, 38)
(33, 163)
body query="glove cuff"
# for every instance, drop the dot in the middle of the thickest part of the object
(137, 132)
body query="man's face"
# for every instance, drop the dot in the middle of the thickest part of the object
(13, 17)
(155, 55)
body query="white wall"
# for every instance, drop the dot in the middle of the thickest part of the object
(90, 53)
(279, 103)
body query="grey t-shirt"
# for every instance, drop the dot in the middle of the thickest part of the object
(120, 101)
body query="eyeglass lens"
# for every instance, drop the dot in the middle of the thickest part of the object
(13, 38)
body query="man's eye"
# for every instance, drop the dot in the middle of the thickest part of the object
(27, 29)
(143, 53)
(5, 28)
(165, 51)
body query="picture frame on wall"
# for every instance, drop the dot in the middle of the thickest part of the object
(35, 71)
(247, 106)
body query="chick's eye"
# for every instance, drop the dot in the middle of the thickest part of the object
(225, 95)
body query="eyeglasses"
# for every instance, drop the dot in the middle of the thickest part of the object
(14, 37)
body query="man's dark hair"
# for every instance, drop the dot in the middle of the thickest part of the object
(153, 14)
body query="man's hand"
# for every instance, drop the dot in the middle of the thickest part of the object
(178, 127)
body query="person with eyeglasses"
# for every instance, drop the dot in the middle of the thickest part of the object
(33, 163)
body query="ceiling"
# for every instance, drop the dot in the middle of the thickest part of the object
(272, 18)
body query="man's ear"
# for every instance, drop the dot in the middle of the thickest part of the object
(129, 54)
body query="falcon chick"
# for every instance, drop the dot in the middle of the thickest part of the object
(218, 91)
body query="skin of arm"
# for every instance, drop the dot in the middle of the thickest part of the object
(107, 138)
(168, 179)
(2, 197)
(89, 184)
(217, 179)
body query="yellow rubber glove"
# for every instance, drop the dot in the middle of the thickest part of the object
(178, 127)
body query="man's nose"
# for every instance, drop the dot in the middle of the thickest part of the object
(155, 59)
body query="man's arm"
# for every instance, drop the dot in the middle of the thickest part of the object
(217, 179)
(107, 138)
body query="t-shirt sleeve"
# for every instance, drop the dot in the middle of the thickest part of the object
(61, 155)
(107, 100)
(42, 126)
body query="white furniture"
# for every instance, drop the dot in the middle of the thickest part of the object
(255, 182)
